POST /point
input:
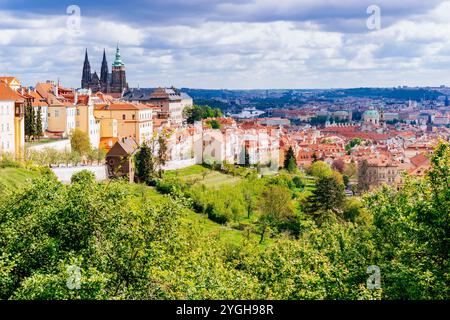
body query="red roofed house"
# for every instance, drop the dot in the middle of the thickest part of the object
(61, 116)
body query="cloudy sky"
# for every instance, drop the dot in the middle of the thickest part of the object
(231, 44)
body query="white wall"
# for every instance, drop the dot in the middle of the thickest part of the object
(59, 145)
(173, 165)
(65, 173)
(7, 127)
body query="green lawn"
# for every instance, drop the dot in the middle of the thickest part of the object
(188, 171)
(15, 177)
(202, 175)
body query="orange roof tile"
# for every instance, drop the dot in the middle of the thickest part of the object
(122, 106)
(6, 93)
(9, 79)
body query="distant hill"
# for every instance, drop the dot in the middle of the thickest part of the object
(306, 94)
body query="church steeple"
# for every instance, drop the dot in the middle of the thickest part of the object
(118, 77)
(118, 60)
(86, 76)
(104, 70)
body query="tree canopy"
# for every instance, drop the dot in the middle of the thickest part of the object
(197, 113)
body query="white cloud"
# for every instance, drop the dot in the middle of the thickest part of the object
(233, 54)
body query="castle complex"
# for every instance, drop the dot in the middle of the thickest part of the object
(113, 83)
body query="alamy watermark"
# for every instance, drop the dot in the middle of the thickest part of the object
(73, 22)
(374, 20)
(374, 280)
(73, 277)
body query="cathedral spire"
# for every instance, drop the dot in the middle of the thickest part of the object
(86, 76)
(104, 70)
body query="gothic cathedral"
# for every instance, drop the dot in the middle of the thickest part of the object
(110, 83)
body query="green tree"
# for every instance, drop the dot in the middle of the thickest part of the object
(197, 113)
(287, 159)
(328, 195)
(213, 124)
(292, 165)
(275, 207)
(145, 164)
(320, 169)
(411, 233)
(100, 155)
(79, 141)
(96, 154)
(162, 156)
(75, 158)
(352, 143)
(39, 129)
(30, 123)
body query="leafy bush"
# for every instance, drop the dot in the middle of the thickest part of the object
(83, 177)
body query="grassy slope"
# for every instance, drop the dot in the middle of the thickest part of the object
(208, 228)
(15, 177)
(202, 175)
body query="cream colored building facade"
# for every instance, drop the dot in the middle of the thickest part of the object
(85, 119)
(12, 129)
(131, 120)
(382, 173)
(61, 118)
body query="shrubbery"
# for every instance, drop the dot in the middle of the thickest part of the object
(130, 246)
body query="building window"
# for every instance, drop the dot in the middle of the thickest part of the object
(134, 117)
(123, 117)
(56, 113)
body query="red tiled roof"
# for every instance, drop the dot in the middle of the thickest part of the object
(83, 100)
(122, 106)
(8, 79)
(420, 160)
(6, 93)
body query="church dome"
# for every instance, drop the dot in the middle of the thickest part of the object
(371, 116)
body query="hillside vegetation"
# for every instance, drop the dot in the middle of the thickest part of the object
(253, 238)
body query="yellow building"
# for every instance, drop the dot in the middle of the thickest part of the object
(85, 120)
(12, 127)
(61, 118)
(132, 120)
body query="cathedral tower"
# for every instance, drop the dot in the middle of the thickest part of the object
(118, 77)
(104, 78)
(86, 76)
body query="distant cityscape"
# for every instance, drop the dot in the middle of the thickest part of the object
(394, 129)
(236, 154)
